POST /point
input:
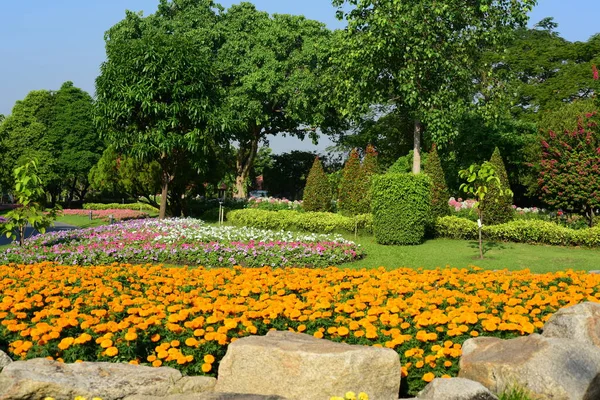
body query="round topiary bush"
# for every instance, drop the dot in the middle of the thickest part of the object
(401, 205)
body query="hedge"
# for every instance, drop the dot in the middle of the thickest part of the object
(119, 206)
(318, 222)
(519, 231)
(401, 205)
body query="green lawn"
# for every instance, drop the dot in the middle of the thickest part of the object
(81, 221)
(462, 253)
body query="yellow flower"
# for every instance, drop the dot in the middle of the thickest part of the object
(209, 359)
(112, 351)
(350, 396)
(363, 396)
(206, 367)
(428, 377)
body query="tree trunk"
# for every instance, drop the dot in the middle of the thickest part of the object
(244, 162)
(480, 226)
(163, 197)
(416, 169)
(589, 213)
(71, 193)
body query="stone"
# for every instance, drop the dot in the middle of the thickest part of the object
(549, 368)
(207, 396)
(580, 322)
(301, 367)
(455, 389)
(38, 378)
(194, 384)
(4, 359)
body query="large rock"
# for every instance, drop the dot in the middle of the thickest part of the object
(193, 384)
(455, 389)
(549, 368)
(207, 396)
(4, 359)
(580, 322)
(38, 378)
(301, 367)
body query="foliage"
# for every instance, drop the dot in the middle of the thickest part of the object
(286, 177)
(184, 242)
(420, 57)
(439, 189)
(28, 191)
(352, 194)
(404, 164)
(119, 174)
(273, 204)
(401, 208)
(569, 175)
(119, 206)
(157, 93)
(497, 206)
(317, 193)
(369, 168)
(519, 231)
(185, 329)
(56, 128)
(516, 393)
(318, 222)
(271, 68)
(480, 179)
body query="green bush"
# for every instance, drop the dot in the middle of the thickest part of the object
(317, 222)
(119, 206)
(519, 231)
(401, 206)
(352, 196)
(317, 192)
(439, 189)
(497, 209)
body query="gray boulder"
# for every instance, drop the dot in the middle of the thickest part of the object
(4, 359)
(38, 378)
(301, 367)
(207, 396)
(455, 389)
(580, 322)
(549, 368)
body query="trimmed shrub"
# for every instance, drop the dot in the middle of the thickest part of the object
(401, 208)
(519, 231)
(369, 168)
(439, 189)
(317, 193)
(351, 198)
(497, 209)
(317, 222)
(119, 206)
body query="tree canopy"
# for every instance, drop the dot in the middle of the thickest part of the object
(157, 93)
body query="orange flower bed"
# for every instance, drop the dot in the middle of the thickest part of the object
(186, 317)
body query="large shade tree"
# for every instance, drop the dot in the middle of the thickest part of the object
(421, 56)
(272, 70)
(157, 93)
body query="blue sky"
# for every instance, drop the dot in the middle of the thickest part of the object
(45, 43)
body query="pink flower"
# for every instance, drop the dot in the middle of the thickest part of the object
(595, 72)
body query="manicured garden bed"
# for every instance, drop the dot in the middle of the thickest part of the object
(186, 317)
(184, 241)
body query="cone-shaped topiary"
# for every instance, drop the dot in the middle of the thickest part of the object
(352, 187)
(317, 192)
(369, 168)
(497, 209)
(439, 189)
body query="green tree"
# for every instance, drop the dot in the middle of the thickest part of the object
(352, 186)
(157, 93)
(480, 179)
(570, 168)
(28, 191)
(369, 168)
(74, 139)
(420, 56)
(317, 193)
(497, 205)
(123, 176)
(271, 69)
(439, 189)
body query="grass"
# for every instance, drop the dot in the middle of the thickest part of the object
(462, 253)
(81, 221)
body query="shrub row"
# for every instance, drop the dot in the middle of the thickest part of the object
(119, 206)
(320, 222)
(519, 231)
